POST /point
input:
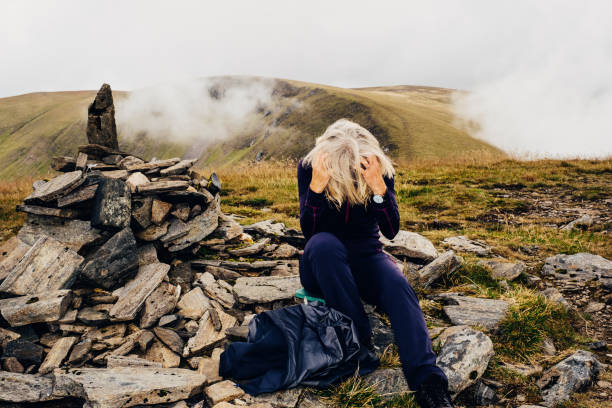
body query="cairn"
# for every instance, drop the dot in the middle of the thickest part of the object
(126, 279)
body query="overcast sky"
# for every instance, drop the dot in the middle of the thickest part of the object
(65, 45)
(523, 60)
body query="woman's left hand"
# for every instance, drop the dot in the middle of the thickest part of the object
(373, 174)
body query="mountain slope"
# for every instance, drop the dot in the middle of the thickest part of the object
(410, 122)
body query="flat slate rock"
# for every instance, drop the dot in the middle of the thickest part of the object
(466, 310)
(128, 386)
(193, 304)
(199, 228)
(48, 266)
(579, 268)
(155, 187)
(253, 249)
(47, 307)
(160, 353)
(137, 290)
(207, 337)
(461, 243)
(56, 187)
(114, 262)
(10, 254)
(152, 165)
(444, 264)
(503, 269)
(112, 207)
(266, 227)
(78, 195)
(265, 289)
(57, 354)
(126, 361)
(464, 356)
(51, 211)
(16, 387)
(75, 234)
(410, 245)
(159, 303)
(178, 168)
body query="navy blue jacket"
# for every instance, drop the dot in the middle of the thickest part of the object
(356, 226)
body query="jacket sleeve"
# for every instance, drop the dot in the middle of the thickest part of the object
(314, 208)
(387, 213)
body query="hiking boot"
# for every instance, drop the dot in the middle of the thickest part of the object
(433, 393)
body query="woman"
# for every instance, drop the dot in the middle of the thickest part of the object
(346, 191)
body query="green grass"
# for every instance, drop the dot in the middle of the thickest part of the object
(356, 393)
(531, 319)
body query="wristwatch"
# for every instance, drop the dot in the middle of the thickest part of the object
(377, 198)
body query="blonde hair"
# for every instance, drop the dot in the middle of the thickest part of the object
(345, 142)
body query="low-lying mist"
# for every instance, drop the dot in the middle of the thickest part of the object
(194, 112)
(552, 96)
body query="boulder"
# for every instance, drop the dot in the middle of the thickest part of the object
(463, 244)
(444, 264)
(101, 127)
(503, 270)
(410, 245)
(48, 266)
(136, 291)
(466, 310)
(114, 262)
(579, 268)
(41, 307)
(583, 222)
(19, 388)
(112, 206)
(128, 386)
(56, 187)
(573, 374)
(265, 289)
(464, 356)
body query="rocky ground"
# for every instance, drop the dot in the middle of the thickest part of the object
(126, 281)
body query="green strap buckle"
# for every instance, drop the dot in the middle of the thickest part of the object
(302, 294)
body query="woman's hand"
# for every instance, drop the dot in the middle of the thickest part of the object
(373, 175)
(320, 177)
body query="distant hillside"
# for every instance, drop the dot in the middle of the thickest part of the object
(411, 122)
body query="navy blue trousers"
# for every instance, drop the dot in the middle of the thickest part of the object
(328, 269)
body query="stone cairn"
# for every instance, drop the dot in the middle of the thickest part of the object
(127, 280)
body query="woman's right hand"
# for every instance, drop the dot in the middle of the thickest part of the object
(320, 176)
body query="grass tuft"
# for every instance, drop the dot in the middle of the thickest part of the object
(529, 320)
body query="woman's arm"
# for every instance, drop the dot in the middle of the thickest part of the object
(314, 208)
(387, 213)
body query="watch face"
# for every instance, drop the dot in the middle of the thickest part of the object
(378, 198)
